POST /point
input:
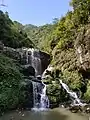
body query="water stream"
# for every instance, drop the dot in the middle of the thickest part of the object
(54, 114)
(40, 99)
(33, 58)
(73, 95)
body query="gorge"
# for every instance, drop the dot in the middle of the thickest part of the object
(45, 70)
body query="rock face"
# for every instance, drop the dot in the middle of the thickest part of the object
(37, 59)
(28, 70)
(33, 63)
(82, 46)
(27, 89)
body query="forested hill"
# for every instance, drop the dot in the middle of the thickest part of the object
(11, 34)
(39, 35)
(16, 35)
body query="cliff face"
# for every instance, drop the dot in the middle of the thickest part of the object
(82, 46)
(28, 56)
(73, 62)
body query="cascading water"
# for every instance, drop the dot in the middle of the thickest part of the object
(36, 62)
(73, 95)
(33, 58)
(35, 95)
(40, 99)
(44, 101)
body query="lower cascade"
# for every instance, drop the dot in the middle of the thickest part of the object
(73, 95)
(44, 101)
(41, 101)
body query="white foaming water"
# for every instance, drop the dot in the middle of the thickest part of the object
(44, 99)
(73, 95)
(36, 62)
(41, 101)
(33, 58)
(50, 68)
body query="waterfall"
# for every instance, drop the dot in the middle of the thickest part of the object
(36, 62)
(49, 69)
(73, 95)
(40, 99)
(35, 95)
(44, 101)
(32, 57)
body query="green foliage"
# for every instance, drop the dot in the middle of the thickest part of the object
(87, 94)
(10, 78)
(81, 11)
(11, 33)
(62, 43)
(73, 78)
(53, 92)
(40, 35)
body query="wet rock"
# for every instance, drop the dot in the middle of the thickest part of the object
(24, 56)
(27, 90)
(75, 109)
(1, 46)
(28, 70)
(23, 115)
(78, 108)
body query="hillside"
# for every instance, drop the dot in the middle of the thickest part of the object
(70, 46)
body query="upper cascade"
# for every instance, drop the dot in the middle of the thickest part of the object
(39, 60)
(33, 58)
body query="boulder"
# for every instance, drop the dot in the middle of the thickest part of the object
(28, 70)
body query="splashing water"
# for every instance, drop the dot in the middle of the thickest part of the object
(44, 99)
(41, 101)
(32, 57)
(76, 100)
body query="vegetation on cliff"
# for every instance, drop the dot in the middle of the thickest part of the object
(61, 40)
(10, 78)
(71, 33)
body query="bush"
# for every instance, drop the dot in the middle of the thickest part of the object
(10, 78)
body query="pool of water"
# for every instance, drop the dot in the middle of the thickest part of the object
(54, 114)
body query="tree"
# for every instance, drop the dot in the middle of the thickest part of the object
(81, 10)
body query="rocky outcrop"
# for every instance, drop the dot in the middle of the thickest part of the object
(25, 56)
(45, 60)
(78, 108)
(28, 70)
(82, 46)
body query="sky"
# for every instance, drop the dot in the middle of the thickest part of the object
(37, 12)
